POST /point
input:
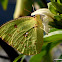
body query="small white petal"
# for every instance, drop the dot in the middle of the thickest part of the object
(48, 17)
(43, 11)
(46, 20)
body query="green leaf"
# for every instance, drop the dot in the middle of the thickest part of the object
(24, 34)
(53, 36)
(58, 21)
(57, 6)
(17, 58)
(60, 58)
(38, 57)
(55, 43)
(52, 0)
(54, 29)
(56, 24)
(58, 17)
(23, 58)
(4, 4)
(52, 8)
(49, 45)
(58, 1)
(47, 57)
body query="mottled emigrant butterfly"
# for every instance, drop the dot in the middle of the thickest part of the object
(25, 34)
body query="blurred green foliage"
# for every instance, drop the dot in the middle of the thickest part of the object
(55, 6)
(16, 59)
(4, 4)
(60, 58)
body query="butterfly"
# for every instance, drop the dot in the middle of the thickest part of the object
(25, 34)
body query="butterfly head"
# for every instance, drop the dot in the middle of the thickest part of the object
(46, 16)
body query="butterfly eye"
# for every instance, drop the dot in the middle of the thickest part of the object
(33, 15)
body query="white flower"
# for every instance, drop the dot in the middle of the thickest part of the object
(48, 17)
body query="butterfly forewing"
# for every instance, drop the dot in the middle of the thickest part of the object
(24, 34)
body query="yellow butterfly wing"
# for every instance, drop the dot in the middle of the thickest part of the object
(25, 34)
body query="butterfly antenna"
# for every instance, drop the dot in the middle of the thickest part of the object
(27, 10)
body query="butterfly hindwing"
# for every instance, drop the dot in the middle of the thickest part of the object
(24, 34)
